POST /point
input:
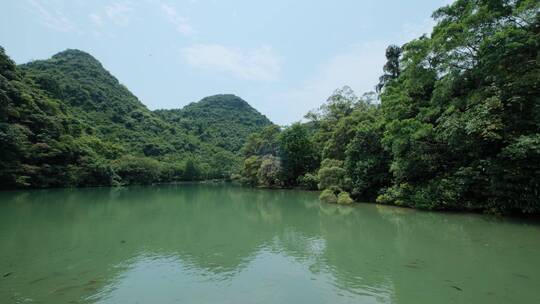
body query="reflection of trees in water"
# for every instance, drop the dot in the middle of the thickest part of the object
(419, 256)
(83, 234)
(354, 249)
(83, 240)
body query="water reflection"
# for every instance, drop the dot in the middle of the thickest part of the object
(219, 243)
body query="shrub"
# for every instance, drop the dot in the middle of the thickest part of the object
(344, 199)
(331, 174)
(328, 196)
(137, 170)
(308, 181)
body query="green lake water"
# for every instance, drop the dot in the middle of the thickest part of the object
(227, 244)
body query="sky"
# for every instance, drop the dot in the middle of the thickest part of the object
(283, 57)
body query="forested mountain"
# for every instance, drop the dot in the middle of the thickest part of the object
(457, 127)
(221, 120)
(41, 143)
(66, 121)
(97, 98)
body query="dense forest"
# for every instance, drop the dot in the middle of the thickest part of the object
(66, 121)
(222, 120)
(457, 126)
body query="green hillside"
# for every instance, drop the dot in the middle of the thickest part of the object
(66, 121)
(221, 120)
(41, 142)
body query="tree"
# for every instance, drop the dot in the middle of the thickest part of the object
(367, 163)
(269, 171)
(137, 170)
(331, 174)
(308, 181)
(463, 100)
(250, 170)
(265, 142)
(191, 170)
(298, 154)
(458, 123)
(391, 68)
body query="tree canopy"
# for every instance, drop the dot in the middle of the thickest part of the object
(457, 126)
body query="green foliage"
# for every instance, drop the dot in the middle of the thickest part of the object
(191, 171)
(458, 123)
(335, 112)
(516, 180)
(366, 162)
(263, 164)
(265, 142)
(335, 196)
(138, 170)
(41, 143)
(66, 121)
(269, 171)
(222, 120)
(308, 181)
(466, 101)
(328, 196)
(276, 158)
(331, 174)
(250, 170)
(333, 179)
(344, 198)
(297, 152)
(391, 68)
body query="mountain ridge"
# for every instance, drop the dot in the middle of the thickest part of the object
(112, 130)
(211, 118)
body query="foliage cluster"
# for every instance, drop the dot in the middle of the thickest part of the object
(457, 126)
(224, 121)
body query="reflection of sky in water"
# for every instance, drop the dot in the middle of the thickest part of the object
(224, 244)
(270, 277)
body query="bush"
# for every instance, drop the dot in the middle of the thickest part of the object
(331, 174)
(137, 170)
(344, 199)
(328, 196)
(308, 181)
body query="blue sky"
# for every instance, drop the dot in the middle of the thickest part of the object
(284, 57)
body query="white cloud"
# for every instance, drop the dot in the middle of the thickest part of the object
(51, 16)
(96, 19)
(359, 68)
(256, 64)
(182, 23)
(119, 12)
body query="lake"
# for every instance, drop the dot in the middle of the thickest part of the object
(198, 243)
